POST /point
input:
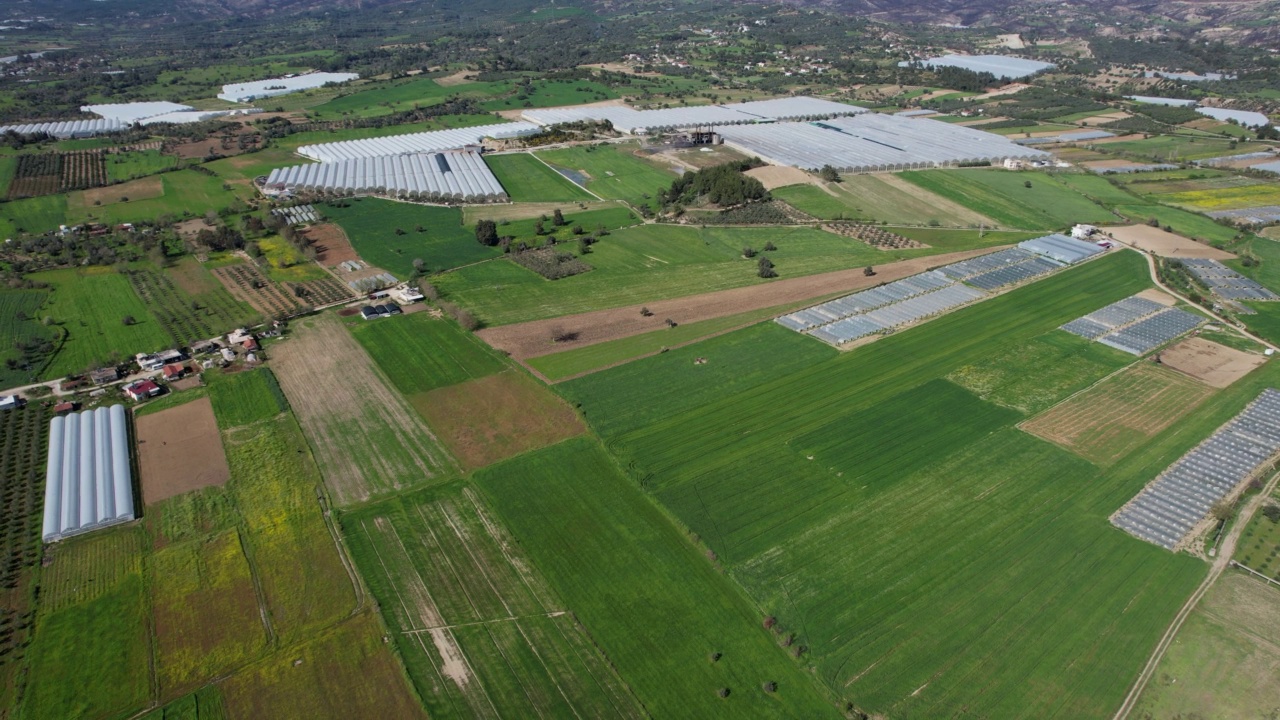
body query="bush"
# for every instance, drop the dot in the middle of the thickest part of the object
(748, 252)
(770, 247)
(128, 320)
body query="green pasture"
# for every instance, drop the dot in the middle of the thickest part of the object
(613, 172)
(20, 314)
(1192, 225)
(654, 262)
(90, 306)
(33, 215)
(1096, 187)
(8, 165)
(676, 630)
(443, 244)
(1166, 148)
(954, 240)
(244, 398)
(551, 93)
(419, 352)
(1004, 197)
(527, 179)
(527, 654)
(386, 97)
(186, 193)
(611, 217)
(204, 704)
(819, 479)
(878, 198)
(129, 165)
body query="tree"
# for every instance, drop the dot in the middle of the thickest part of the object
(1026, 184)
(419, 266)
(766, 268)
(829, 174)
(584, 246)
(1222, 510)
(128, 320)
(868, 271)
(770, 247)
(538, 229)
(748, 252)
(487, 233)
(557, 218)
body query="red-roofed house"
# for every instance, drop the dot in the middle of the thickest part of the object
(63, 408)
(141, 390)
(250, 344)
(174, 371)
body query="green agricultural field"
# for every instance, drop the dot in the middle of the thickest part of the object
(90, 306)
(22, 336)
(90, 654)
(613, 172)
(185, 192)
(129, 165)
(444, 243)
(527, 179)
(610, 218)
(1004, 197)
(1259, 547)
(567, 363)
(185, 317)
(384, 98)
(949, 240)
(552, 93)
(204, 704)
(419, 352)
(1222, 663)
(206, 612)
(1175, 148)
(1229, 198)
(1096, 187)
(524, 650)
(654, 262)
(627, 573)
(273, 483)
(8, 164)
(33, 215)
(816, 483)
(245, 397)
(1192, 225)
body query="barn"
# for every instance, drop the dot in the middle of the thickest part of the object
(88, 484)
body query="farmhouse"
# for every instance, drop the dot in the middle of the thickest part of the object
(142, 390)
(102, 376)
(65, 407)
(174, 371)
(88, 484)
(406, 295)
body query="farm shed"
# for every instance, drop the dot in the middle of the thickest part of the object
(423, 142)
(88, 484)
(102, 376)
(437, 177)
(1002, 66)
(873, 143)
(250, 91)
(10, 402)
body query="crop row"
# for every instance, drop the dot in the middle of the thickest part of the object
(184, 319)
(23, 435)
(875, 236)
(258, 289)
(80, 170)
(321, 292)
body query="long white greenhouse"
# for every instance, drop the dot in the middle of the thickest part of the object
(1003, 67)
(88, 484)
(273, 87)
(639, 122)
(874, 143)
(458, 176)
(65, 129)
(432, 141)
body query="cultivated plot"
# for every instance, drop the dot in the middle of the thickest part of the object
(180, 450)
(1209, 362)
(481, 632)
(366, 438)
(1112, 418)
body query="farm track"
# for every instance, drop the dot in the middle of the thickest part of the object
(1225, 552)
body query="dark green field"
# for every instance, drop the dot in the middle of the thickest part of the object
(443, 243)
(420, 353)
(1048, 204)
(930, 555)
(245, 397)
(527, 179)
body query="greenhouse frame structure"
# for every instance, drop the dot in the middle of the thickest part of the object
(89, 480)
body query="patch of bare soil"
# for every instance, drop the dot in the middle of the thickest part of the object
(1109, 117)
(776, 176)
(331, 244)
(188, 229)
(1164, 244)
(1211, 363)
(461, 77)
(531, 339)
(142, 189)
(180, 450)
(1159, 296)
(515, 114)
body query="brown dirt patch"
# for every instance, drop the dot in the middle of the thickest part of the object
(531, 339)
(1159, 296)
(180, 450)
(496, 417)
(189, 275)
(190, 382)
(1109, 420)
(188, 229)
(331, 244)
(498, 212)
(461, 77)
(366, 437)
(142, 189)
(1109, 117)
(776, 176)
(1165, 244)
(1209, 362)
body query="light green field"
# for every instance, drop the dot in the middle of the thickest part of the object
(1172, 148)
(384, 98)
(1096, 187)
(1222, 663)
(1226, 198)
(8, 164)
(524, 649)
(244, 398)
(129, 165)
(653, 262)
(613, 172)
(819, 481)
(1192, 225)
(33, 215)
(443, 244)
(419, 352)
(627, 573)
(186, 193)
(1004, 197)
(20, 313)
(90, 305)
(527, 179)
